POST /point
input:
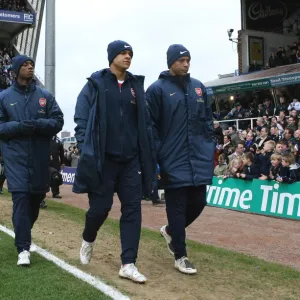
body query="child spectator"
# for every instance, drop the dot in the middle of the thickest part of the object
(234, 167)
(220, 169)
(263, 157)
(250, 170)
(289, 171)
(274, 169)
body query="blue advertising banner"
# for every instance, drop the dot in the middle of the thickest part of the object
(68, 175)
(17, 17)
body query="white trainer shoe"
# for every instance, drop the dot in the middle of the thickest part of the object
(130, 271)
(24, 258)
(185, 266)
(86, 252)
(168, 239)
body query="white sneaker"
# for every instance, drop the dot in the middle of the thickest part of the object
(32, 248)
(24, 258)
(86, 252)
(130, 271)
(168, 239)
(185, 266)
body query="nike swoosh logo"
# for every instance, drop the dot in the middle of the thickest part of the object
(172, 94)
(12, 104)
(140, 172)
(127, 46)
(182, 52)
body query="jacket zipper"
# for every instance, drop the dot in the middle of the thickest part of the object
(121, 123)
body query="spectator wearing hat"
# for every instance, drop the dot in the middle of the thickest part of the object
(114, 139)
(183, 132)
(29, 117)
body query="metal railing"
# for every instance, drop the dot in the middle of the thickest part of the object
(240, 120)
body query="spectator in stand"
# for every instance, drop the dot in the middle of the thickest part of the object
(272, 62)
(268, 108)
(292, 124)
(226, 147)
(234, 135)
(288, 136)
(282, 119)
(73, 156)
(262, 157)
(274, 134)
(275, 166)
(274, 122)
(295, 104)
(289, 171)
(14, 5)
(234, 167)
(296, 144)
(282, 106)
(218, 133)
(239, 151)
(220, 169)
(250, 170)
(264, 137)
(282, 147)
(294, 113)
(249, 143)
(6, 78)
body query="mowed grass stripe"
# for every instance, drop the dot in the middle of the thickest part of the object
(43, 280)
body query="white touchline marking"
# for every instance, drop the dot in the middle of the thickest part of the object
(91, 280)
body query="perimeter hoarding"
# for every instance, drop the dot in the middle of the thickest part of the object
(258, 196)
(17, 17)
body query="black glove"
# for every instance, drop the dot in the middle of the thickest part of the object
(27, 127)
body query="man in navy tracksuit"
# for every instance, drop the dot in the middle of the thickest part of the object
(29, 117)
(114, 139)
(183, 133)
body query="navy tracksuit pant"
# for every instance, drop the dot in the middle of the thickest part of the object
(183, 206)
(126, 180)
(26, 208)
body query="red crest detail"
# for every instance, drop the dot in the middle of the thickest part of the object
(43, 102)
(198, 91)
(133, 92)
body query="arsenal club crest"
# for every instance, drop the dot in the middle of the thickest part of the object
(198, 91)
(133, 92)
(43, 102)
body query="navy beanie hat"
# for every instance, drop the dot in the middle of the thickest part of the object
(115, 47)
(18, 61)
(175, 52)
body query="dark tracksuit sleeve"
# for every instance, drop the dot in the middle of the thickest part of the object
(55, 121)
(82, 113)
(153, 97)
(8, 130)
(254, 173)
(291, 178)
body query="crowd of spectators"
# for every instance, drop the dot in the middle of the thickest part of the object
(14, 5)
(269, 151)
(6, 77)
(71, 157)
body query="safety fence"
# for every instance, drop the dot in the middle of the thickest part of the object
(269, 198)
